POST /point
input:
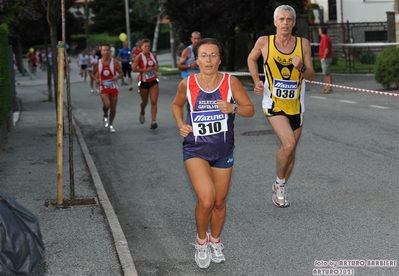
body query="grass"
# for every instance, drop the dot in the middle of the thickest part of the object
(168, 70)
(345, 67)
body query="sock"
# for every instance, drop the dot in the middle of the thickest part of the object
(201, 241)
(280, 181)
(213, 240)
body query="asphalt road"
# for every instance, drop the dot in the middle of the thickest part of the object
(343, 190)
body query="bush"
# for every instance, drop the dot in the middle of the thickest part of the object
(386, 67)
(5, 75)
(367, 57)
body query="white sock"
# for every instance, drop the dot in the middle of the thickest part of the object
(280, 181)
(213, 240)
(200, 241)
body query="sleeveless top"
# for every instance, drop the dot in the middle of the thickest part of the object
(106, 74)
(284, 85)
(213, 132)
(83, 59)
(191, 59)
(93, 60)
(149, 61)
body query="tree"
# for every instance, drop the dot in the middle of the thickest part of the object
(225, 20)
(142, 16)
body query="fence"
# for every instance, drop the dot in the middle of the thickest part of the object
(355, 45)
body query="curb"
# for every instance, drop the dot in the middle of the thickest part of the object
(122, 248)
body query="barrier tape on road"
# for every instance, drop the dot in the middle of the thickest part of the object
(326, 84)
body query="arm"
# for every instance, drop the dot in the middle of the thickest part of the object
(309, 74)
(135, 65)
(118, 68)
(93, 73)
(183, 58)
(252, 62)
(245, 107)
(156, 67)
(177, 108)
(119, 57)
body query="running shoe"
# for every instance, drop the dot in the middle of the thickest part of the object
(105, 121)
(97, 91)
(154, 125)
(142, 118)
(130, 89)
(280, 195)
(202, 254)
(216, 249)
(91, 91)
(111, 129)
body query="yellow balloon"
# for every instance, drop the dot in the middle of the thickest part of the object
(123, 37)
(31, 50)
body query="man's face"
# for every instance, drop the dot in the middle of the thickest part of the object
(105, 51)
(195, 38)
(285, 22)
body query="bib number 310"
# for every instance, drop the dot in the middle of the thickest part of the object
(208, 122)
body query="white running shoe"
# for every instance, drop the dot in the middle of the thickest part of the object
(280, 195)
(105, 121)
(202, 254)
(91, 91)
(216, 249)
(111, 129)
(97, 91)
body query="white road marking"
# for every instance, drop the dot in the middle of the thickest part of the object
(349, 102)
(379, 106)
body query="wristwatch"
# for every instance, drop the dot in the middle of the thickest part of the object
(304, 68)
(235, 107)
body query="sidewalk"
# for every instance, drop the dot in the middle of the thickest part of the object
(80, 239)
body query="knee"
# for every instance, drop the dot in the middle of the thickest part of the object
(206, 205)
(220, 204)
(289, 148)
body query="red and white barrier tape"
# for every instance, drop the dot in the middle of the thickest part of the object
(332, 85)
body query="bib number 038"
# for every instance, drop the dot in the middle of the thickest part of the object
(285, 94)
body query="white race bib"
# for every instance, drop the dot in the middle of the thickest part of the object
(110, 84)
(208, 122)
(149, 75)
(285, 89)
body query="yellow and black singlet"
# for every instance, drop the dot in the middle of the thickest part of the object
(284, 85)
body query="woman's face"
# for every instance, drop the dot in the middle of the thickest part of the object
(208, 58)
(145, 47)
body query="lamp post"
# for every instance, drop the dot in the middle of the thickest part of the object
(127, 21)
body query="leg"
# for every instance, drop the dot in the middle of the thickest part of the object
(154, 92)
(289, 140)
(144, 99)
(200, 175)
(114, 101)
(129, 73)
(328, 79)
(106, 103)
(221, 179)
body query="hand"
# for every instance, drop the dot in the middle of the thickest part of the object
(185, 130)
(259, 87)
(297, 62)
(225, 107)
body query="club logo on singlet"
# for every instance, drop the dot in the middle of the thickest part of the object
(150, 63)
(106, 73)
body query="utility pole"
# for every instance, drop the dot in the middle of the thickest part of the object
(87, 23)
(127, 21)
